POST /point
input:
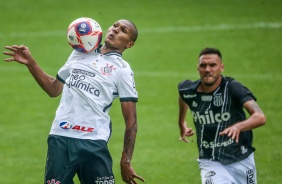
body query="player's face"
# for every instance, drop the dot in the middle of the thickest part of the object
(119, 35)
(210, 68)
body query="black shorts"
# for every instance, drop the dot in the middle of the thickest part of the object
(89, 159)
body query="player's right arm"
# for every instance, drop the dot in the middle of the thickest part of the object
(21, 54)
(256, 119)
(184, 130)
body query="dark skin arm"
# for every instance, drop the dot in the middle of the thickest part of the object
(22, 55)
(129, 113)
(256, 119)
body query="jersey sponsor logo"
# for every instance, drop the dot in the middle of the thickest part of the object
(133, 81)
(210, 174)
(53, 181)
(217, 101)
(79, 71)
(189, 96)
(212, 145)
(209, 181)
(206, 98)
(80, 58)
(194, 104)
(107, 70)
(105, 180)
(78, 81)
(123, 65)
(67, 126)
(244, 149)
(251, 179)
(209, 117)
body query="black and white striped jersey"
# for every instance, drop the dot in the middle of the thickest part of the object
(212, 113)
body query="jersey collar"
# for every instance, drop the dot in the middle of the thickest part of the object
(112, 53)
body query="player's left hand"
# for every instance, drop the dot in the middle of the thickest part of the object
(232, 131)
(128, 174)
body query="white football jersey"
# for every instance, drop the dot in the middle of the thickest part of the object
(91, 82)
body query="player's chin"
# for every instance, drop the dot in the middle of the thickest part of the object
(208, 82)
(110, 43)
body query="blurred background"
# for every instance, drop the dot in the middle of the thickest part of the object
(171, 35)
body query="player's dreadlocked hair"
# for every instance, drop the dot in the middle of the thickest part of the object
(209, 50)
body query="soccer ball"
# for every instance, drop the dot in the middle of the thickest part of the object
(84, 34)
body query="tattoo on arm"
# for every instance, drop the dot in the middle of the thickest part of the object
(129, 141)
(252, 107)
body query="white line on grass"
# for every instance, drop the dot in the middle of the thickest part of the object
(156, 74)
(256, 25)
(265, 76)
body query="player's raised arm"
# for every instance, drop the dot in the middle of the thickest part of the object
(21, 54)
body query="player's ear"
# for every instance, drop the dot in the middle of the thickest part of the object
(130, 44)
(222, 67)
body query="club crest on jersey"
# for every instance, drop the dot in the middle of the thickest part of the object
(217, 101)
(107, 70)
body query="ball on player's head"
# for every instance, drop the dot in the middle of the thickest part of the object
(84, 34)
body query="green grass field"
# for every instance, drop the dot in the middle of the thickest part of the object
(171, 34)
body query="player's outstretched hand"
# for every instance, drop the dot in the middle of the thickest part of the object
(128, 174)
(20, 54)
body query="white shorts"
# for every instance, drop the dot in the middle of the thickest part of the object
(243, 172)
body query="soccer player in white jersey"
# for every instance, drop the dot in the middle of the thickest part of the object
(77, 143)
(224, 133)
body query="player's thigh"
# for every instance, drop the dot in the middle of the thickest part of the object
(59, 168)
(214, 173)
(96, 163)
(245, 170)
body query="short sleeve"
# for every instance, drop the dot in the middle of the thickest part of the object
(240, 92)
(183, 86)
(126, 86)
(64, 72)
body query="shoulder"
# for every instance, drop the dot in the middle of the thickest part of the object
(232, 83)
(238, 90)
(75, 55)
(188, 84)
(124, 65)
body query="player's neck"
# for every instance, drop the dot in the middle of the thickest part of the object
(106, 49)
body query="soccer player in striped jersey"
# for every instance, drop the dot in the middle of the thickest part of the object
(77, 143)
(224, 133)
